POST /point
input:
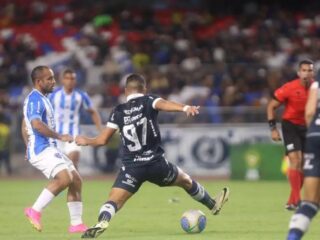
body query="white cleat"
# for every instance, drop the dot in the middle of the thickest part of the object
(220, 200)
(96, 230)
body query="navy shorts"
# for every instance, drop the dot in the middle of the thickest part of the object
(160, 172)
(294, 136)
(311, 167)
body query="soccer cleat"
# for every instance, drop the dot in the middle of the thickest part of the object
(96, 230)
(220, 200)
(34, 217)
(80, 228)
(291, 207)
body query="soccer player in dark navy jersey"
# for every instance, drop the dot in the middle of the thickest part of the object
(309, 206)
(293, 95)
(144, 158)
(140, 133)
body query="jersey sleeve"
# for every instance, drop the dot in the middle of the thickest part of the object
(86, 101)
(152, 100)
(281, 94)
(35, 109)
(113, 121)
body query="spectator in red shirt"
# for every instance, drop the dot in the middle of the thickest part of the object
(293, 95)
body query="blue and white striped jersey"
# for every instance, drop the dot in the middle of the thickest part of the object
(67, 109)
(38, 106)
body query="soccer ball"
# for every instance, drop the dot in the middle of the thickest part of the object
(193, 221)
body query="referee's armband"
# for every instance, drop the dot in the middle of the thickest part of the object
(272, 124)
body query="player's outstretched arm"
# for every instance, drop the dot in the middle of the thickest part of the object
(101, 139)
(169, 106)
(272, 106)
(311, 105)
(43, 129)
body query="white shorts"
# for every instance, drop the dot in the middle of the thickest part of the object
(66, 147)
(51, 161)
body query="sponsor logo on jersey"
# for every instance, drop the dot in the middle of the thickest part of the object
(128, 120)
(133, 109)
(153, 129)
(147, 152)
(142, 159)
(38, 107)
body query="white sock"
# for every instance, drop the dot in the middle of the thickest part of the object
(43, 200)
(75, 210)
(107, 211)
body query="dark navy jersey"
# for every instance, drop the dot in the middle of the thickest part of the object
(314, 128)
(137, 122)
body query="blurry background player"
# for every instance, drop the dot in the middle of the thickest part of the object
(309, 206)
(67, 102)
(38, 131)
(293, 95)
(143, 158)
(5, 144)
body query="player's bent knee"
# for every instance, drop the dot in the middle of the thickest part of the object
(64, 178)
(76, 178)
(187, 180)
(65, 182)
(183, 180)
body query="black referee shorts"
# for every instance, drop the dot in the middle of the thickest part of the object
(294, 136)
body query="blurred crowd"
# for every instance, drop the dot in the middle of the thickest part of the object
(197, 51)
(202, 52)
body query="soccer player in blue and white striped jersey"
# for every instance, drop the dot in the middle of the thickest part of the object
(67, 102)
(40, 136)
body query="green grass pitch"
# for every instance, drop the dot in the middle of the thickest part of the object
(255, 211)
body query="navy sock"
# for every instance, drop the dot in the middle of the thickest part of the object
(308, 209)
(295, 234)
(198, 193)
(301, 220)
